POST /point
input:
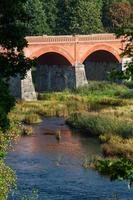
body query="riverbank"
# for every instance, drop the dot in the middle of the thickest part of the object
(100, 109)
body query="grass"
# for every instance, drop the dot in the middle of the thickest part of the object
(7, 180)
(98, 109)
(102, 109)
(32, 118)
(97, 123)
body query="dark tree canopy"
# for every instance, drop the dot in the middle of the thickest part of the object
(37, 21)
(12, 59)
(59, 17)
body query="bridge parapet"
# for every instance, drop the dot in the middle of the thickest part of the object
(71, 39)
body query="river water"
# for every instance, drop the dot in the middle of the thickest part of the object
(54, 169)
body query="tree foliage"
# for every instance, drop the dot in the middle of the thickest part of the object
(36, 23)
(50, 8)
(127, 72)
(59, 17)
(119, 169)
(119, 15)
(86, 17)
(13, 19)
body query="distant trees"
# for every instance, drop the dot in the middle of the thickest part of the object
(50, 8)
(86, 17)
(79, 17)
(36, 23)
(65, 8)
(117, 14)
(59, 17)
(127, 73)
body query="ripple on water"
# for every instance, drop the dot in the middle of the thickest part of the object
(55, 169)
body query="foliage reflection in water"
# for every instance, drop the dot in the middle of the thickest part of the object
(53, 166)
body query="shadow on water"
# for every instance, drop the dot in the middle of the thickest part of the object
(54, 167)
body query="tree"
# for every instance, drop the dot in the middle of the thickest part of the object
(63, 16)
(50, 8)
(120, 15)
(116, 169)
(86, 17)
(115, 12)
(12, 60)
(79, 17)
(127, 73)
(36, 23)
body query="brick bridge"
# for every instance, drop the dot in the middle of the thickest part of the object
(68, 62)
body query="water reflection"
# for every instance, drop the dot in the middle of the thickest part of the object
(55, 169)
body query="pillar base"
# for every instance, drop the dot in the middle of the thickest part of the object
(27, 88)
(80, 75)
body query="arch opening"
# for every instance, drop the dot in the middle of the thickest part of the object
(53, 72)
(53, 58)
(99, 64)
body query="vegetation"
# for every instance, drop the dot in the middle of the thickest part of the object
(32, 118)
(96, 100)
(7, 180)
(121, 169)
(59, 17)
(13, 18)
(103, 113)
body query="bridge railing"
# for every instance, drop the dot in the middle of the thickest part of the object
(71, 39)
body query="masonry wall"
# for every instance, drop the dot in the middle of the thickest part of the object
(53, 78)
(15, 86)
(100, 71)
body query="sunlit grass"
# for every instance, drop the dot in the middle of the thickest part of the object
(97, 109)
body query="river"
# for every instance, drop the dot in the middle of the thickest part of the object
(54, 168)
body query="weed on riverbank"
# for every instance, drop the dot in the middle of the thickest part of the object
(102, 109)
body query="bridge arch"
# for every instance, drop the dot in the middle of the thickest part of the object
(54, 70)
(99, 61)
(101, 47)
(53, 49)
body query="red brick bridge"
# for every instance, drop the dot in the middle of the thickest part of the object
(74, 48)
(68, 62)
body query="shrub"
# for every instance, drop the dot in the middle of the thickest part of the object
(100, 87)
(111, 102)
(26, 130)
(6, 103)
(118, 169)
(127, 94)
(99, 124)
(7, 180)
(129, 84)
(32, 118)
(91, 123)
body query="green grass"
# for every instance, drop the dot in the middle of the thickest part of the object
(96, 109)
(32, 118)
(98, 123)
(101, 109)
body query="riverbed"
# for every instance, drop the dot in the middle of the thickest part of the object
(54, 168)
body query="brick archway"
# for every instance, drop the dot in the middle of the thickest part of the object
(52, 49)
(103, 47)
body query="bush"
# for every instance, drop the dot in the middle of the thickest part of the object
(119, 169)
(4, 121)
(127, 94)
(32, 118)
(7, 180)
(6, 103)
(91, 123)
(100, 87)
(99, 124)
(27, 131)
(129, 84)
